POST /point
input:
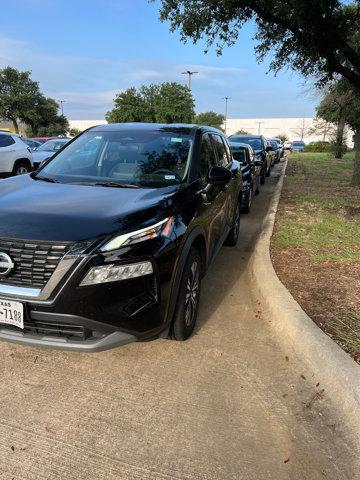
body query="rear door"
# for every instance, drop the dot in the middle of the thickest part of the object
(7, 152)
(226, 195)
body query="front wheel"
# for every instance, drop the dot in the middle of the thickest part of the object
(187, 304)
(233, 236)
(246, 208)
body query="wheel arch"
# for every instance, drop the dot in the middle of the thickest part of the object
(195, 239)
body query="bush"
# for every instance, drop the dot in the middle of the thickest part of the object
(319, 147)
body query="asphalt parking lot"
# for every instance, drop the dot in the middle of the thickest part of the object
(230, 403)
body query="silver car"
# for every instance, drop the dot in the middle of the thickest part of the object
(47, 150)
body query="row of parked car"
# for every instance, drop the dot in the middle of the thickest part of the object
(117, 229)
(20, 155)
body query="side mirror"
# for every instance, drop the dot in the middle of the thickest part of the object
(219, 176)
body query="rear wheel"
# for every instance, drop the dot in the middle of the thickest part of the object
(187, 304)
(21, 168)
(233, 236)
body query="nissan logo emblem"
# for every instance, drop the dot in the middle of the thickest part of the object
(6, 264)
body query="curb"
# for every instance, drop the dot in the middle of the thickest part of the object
(338, 373)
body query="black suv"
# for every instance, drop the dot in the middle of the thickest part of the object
(108, 241)
(262, 148)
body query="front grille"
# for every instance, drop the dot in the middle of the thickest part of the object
(52, 329)
(35, 262)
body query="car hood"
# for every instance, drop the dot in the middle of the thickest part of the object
(35, 210)
(39, 157)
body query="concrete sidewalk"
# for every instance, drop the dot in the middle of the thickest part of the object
(231, 403)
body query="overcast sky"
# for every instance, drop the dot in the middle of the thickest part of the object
(85, 51)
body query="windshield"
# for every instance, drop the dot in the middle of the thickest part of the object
(51, 146)
(148, 158)
(253, 141)
(298, 144)
(238, 153)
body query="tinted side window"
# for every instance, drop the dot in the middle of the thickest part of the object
(223, 159)
(207, 156)
(6, 141)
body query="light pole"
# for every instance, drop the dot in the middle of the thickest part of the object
(259, 127)
(62, 106)
(189, 73)
(226, 111)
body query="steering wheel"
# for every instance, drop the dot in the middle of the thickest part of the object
(164, 171)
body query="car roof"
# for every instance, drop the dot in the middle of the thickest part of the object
(117, 127)
(245, 135)
(239, 144)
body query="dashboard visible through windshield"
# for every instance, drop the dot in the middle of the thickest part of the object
(148, 158)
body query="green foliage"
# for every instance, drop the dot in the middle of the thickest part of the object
(316, 38)
(319, 147)
(21, 99)
(74, 132)
(18, 93)
(242, 132)
(211, 119)
(163, 103)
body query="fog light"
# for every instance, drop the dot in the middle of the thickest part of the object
(115, 273)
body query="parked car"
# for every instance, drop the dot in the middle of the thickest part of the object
(276, 150)
(32, 144)
(261, 148)
(280, 147)
(297, 146)
(42, 139)
(287, 145)
(15, 155)
(47, 150)
(114, 235)
(251, 172)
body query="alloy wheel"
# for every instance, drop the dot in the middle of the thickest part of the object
(192, 293)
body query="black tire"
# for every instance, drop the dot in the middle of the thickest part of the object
(257, 191)
(21, 167)
(233, 236)
(247, 207)
(267, 174)
(262, 178)
(187, 304)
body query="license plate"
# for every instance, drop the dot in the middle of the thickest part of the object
(12, 313)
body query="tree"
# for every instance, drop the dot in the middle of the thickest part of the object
(174, 104)
(283, 137)
(322, 127)
(74, 132)
(43, 118)
(18, 94)
(211, 119)
(342, 104)
(163, 103)
(316, 38)
(301, 129)
(242, 132)
(332, 109)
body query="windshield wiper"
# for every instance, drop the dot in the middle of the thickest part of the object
(115, 185)
(46, 179)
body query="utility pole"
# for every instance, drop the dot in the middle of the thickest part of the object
(189, 73)
(62, 106)
(226, 111)
(259, 127)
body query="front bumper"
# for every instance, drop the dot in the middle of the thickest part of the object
(97, 317)
(105, 342)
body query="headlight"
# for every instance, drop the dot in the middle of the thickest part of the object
(115, 273)
(147, 233)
